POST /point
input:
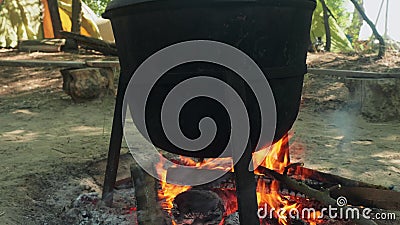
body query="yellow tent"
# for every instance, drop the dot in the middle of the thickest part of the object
(89, 27)
(340, 43)
(30, 19)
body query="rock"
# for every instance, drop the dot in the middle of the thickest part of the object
(88, 83)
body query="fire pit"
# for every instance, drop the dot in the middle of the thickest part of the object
(287, 194)
(274, 34)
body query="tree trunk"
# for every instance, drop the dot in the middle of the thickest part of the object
(327, 27)
(55, 18)
(76, 16)
(382, 47)
(76, 20)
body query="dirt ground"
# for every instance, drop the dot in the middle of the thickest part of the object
(53, 149)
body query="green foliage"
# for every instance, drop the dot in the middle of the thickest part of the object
(98, 6)
(338, 9)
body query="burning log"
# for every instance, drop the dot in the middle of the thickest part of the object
(225, 189)
(149, 211)
(356, 192)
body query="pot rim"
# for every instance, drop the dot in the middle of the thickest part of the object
(118, 4)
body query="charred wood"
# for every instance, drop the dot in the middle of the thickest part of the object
(149, 211)
(198, 207)
(330, 179)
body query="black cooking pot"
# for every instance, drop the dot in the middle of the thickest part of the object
(274, 33)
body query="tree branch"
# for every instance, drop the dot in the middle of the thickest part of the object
(327, 27)
(382, 46)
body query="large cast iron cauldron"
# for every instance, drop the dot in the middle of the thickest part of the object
(274, 33)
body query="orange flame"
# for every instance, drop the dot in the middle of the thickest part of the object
(224, 164)
(168, 191)
(276, 158)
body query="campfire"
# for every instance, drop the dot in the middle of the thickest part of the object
(213, 202)
(268, 191)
